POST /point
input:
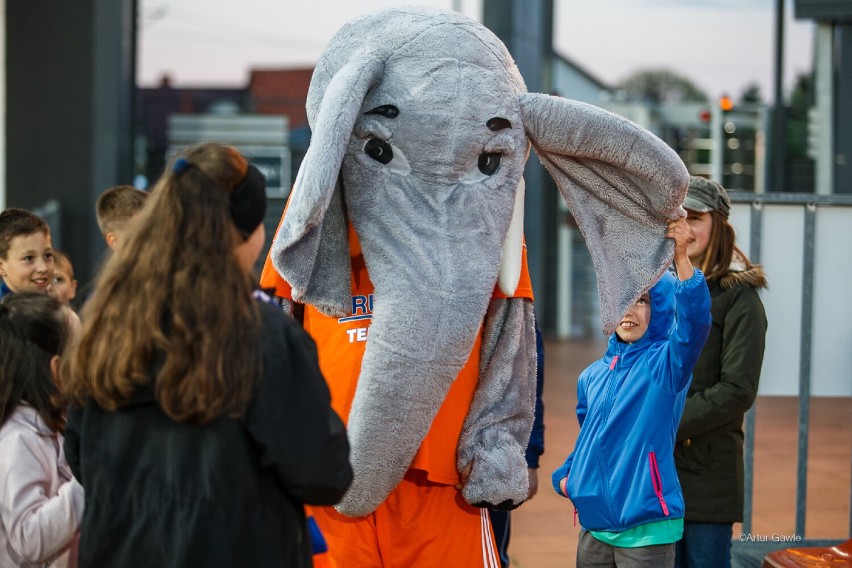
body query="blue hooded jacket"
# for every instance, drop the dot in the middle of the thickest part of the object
(621, 473)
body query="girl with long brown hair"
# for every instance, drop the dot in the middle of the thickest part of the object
(201, 421)
(709, 453)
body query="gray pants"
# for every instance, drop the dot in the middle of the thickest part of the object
(592, 553)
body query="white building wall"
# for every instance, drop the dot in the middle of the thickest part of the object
(782, 256)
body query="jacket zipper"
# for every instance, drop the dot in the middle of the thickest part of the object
(657, 481)
(600, 458)
(614, 361)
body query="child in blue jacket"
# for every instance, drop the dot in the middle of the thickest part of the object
(621, 475)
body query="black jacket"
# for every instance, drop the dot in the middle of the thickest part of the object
(230, 493)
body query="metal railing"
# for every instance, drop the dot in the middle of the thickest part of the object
(811, 205)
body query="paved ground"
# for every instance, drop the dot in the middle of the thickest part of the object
(543, 535)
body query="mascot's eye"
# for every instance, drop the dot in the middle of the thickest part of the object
(388, 111)
(489, 162)
(498, 123)
(381, 151)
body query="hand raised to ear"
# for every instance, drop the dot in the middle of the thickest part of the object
(681, 233)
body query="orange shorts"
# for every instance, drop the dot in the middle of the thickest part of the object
(421, 523)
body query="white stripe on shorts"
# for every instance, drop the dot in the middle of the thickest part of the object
(489, 559)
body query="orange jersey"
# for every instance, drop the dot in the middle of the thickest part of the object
(341, 343)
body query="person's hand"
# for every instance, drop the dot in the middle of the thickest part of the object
(563, 485)
(681, 233)
(533, 477)
(464, 474)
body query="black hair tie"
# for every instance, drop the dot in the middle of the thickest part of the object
(248, 202)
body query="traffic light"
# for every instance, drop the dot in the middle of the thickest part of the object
(726, 103)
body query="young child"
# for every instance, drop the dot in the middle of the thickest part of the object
(42, 503)
(115, 208)
(64, 284)
(26, 254)
(621, 475)
(200, 431)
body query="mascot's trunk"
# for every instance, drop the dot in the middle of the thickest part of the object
(430, 298)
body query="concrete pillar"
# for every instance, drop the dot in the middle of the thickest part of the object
(527, 30)
(70, 78)
(843, 109)
(823, 109)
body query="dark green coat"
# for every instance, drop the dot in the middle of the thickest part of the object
(709, 450)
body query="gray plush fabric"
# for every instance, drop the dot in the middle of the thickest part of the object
(313, 236)
(440, 95)
(500, 420)
(622, 185)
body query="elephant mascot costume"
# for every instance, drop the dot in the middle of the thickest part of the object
(421, 126)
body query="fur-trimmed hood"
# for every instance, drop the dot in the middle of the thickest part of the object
(741, 273)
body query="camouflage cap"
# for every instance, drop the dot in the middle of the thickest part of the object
(706, 195)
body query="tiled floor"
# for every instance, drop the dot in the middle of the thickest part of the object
(542, 531)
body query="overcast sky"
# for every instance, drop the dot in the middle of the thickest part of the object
(721, 45)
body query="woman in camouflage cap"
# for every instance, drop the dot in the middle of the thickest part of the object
(709, 452)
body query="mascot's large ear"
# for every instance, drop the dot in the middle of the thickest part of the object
(622, 185)
(311, 248)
